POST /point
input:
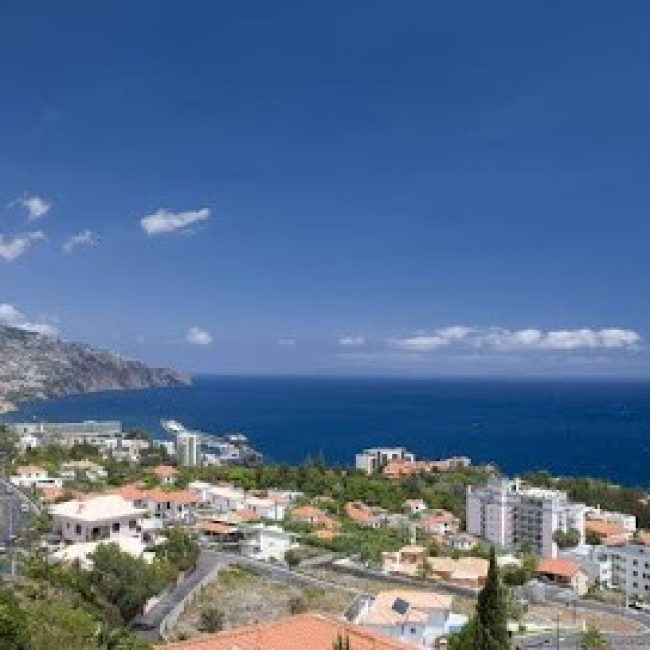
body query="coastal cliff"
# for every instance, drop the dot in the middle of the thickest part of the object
(35, 366)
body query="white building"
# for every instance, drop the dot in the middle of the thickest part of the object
(188, 449)
(414, 617)
(372, 460)
(33, 476)
(630, 569)
(70, 433)
(265, 542)
(265, 508)
(627, 522)
(508, 514)
(96, 518)
(596, 562)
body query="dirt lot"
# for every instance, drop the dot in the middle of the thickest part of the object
(244, 598)
(461, 604)
(547, 615)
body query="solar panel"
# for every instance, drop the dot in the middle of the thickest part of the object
(401, 606)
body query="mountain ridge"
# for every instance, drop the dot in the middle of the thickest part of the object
(39, 366)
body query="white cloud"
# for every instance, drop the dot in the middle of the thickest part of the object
(352, 341)
(288, 340)
(12, 247)
(163, 221)
(440, 338)
(82, 239)
(198, 336)
(502, 339)
(36, 206)
(10, 316)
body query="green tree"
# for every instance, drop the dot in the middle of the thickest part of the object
(13, 623)
(57, 624)
(592, 639)
(568, 539)
(123, 583)
(180, 549)
(212, 619)
(466, 638)
(491, 612)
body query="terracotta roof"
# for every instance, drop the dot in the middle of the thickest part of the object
(308, 631)
(216, 527)
(557, 567)
(165, 471)
(306, 512)
(129, 492)
(173, 496)
(30, 469)
(246, 515)
(359, 512)
(438, 517)
(604, 528)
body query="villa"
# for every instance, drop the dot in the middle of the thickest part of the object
(33, 476)
(418, 618)
(166, 474)
(439, 522)
(101, 517)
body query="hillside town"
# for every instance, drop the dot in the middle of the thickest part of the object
(405, 545)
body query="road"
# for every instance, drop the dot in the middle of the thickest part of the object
(148, 625)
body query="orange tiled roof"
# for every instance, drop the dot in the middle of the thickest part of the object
(29, 469)
(246, 515)
(557, 567)
(437, 517)
(173, 496)
(359, 512)
(604, 528)
(308, 631)
(165, 471)
(306, 512)
(216, 527)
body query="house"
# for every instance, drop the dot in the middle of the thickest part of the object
(465, 572)
(222, 532)
(419, 618)
(565, 573)
(406, 561)
(627, 522)
(309, 515)
(166, 474)
(225, 498)
(401, 468)
(414, 506)
(83, 469)
(373, 460)
(265, 507)
(462, 542)
(308, 631)
(33, 476)
(266, 543)
(172, 505)
(607, 532)
(362, 514)
(94, 518)
(439, 522)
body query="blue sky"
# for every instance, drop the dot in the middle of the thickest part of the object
(344, 187)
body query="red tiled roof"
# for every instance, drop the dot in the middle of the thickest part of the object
(604, 528)
(556, 567)
(308, 631)
(165, 471)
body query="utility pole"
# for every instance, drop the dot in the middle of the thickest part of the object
(557, 631)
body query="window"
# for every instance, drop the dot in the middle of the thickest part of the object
(116, 527)
(77, 529)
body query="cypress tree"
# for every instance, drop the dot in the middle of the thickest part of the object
(491, 612)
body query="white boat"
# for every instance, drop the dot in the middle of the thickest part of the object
(173, 427)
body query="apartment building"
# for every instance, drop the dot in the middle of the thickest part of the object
(630, 569)
(188, 449)
(508, 514)
(69, 433)
(373, 460)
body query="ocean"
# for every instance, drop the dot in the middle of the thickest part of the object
(594, 428)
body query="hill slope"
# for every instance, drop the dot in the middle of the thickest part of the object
(34, 366)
